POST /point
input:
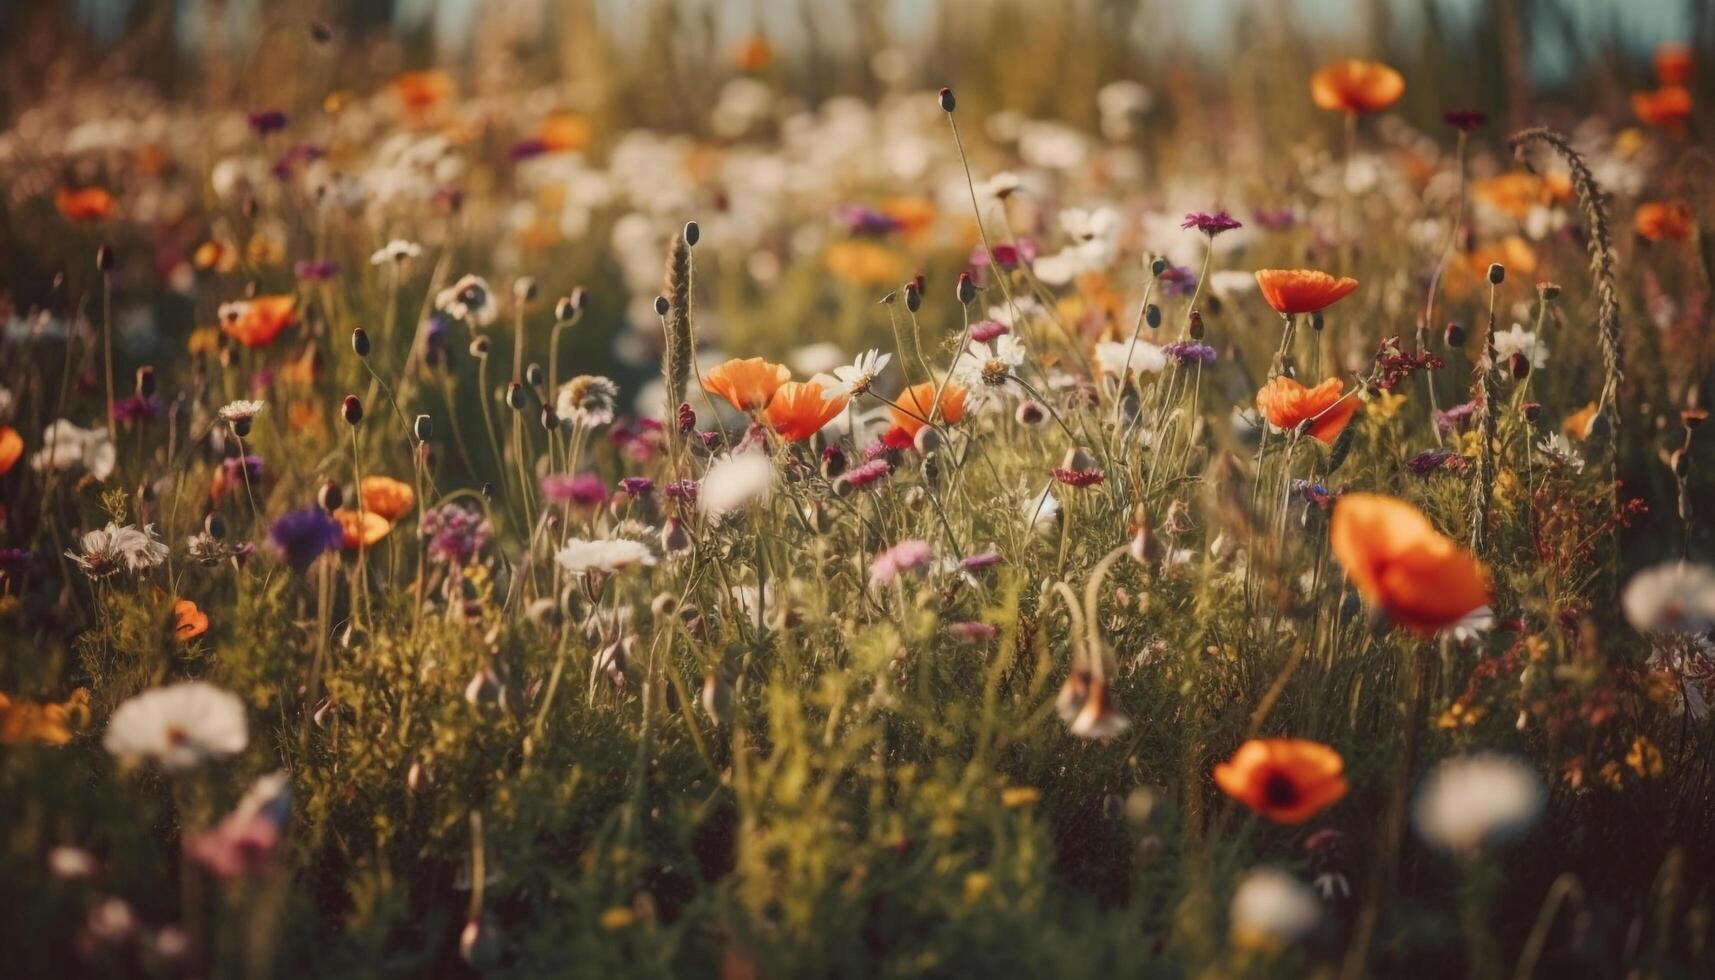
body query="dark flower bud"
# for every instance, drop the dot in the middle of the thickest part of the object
(524, 289)
(214, 526)
(947, 101)
(320, 32)
(423, 428)
(1196, 326)
(833, 462)
(1680, 462)
(360, 341)
(534, 375)
(1519, 365)
(479, 347)
(515, 396)
(1158, 267)
(488, 492)
(1531, 411)
(967, 289)
(913, 296)
(550, 419)
(351, 410)
(662, 306)
(1455, 335)
(104, 260)
(1497, 273)
(687, 418)
(1030, 414)
(1316, 321)
(565, 309)
(329, 496)
(1550, 290)
(1152, 316)
(692, 233)
(145, 381)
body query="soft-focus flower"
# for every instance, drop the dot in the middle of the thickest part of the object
(902, 557)
(1271, 910)
(912, 410)
(1673, 63)
(1287, 780)
(859, 262)
(118, 547)
(245, 842)
(1123, 359)
(1295, 291)
(189, 622)
(29, 723)
(1659, 221)
(360, 529)
(1097, 718)
(1668, 107)
(303, 535)
(587, 400)
(419, 91)
(1673, 597)
(84, 203)
(1402, 565)
(1356, 86)
(609, 555)
(11, 447)
(390, 498)
(990, 365)
(799, 409)
(735, 482)
(396, 252)
(471, 300)
(456, 533)
(1190, 352)
(1518, 340)
(1287, 405)
(746, 383)
(178, 726)
(258, 321)
(65, 446)
(241, 411)
(1211, 224)
(1469, 801)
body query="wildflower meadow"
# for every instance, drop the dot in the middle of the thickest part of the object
(818, 490)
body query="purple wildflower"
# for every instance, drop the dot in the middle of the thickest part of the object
(637, 486)
(1431, 460)
(267, 121)
(1186, 352)
(862, 476)
(312, 270)
(137, 408)
(984, 331)
(1211, 224)
(1177, 280)
(1314, 493)
(527, 148)
(859, 220)
(303, 535)
(238, 469)
(582, 489)
(1458, 418)
(1274, 219)
(456, 533)
(684, 491)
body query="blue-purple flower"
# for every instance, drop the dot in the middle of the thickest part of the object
(1187, 352)
(303, 535)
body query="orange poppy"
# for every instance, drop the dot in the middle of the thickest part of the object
(1356, 86)
(914, 214)
(390, 498)
(753, 55)
(1512, 252)
(798, 411)
(1668, 107)
(1577, 425)
(361, 529)
(11, 447)
(420, 91)
(1287, 405)
(746, 383)
(861, 263)
(1292, 291)
(189, 622)
(1664, 221)
(564, 132)
(29, 723)
(84, 204)
(262, 319)
(1514, 193)
(1287, 780)
(911, 410)
(1673, 64)
(1402, 565)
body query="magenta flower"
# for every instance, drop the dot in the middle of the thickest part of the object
(1211, 224)
(984, 331)
(902, 557)
(579, 490)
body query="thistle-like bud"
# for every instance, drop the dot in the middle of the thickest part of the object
(524, 289)
(534, 375)
(1550, 290)
(564, 310)
(1497, 273)
(1454, 335)
(1316, 321)
(692, 233)
(1519, 365)
(946, 99)
(351, 410)
(967, 289)
(329, 496)
(1158, 267)
(1030, 415)
(479, 348)
(515, 396)
(674, 537)
(360, 341)
(550, 418)
(913, 296)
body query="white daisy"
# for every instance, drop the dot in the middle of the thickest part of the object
(396, 252)
(856, 377)
(1121, 358)
(1518, 340)
(610, 555)
(469, 299)
(241, 410)
(1560, 449)
(989, 365)
(178, 726)
(66, 446)
(588, 400)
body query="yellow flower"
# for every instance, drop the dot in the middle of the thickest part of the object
(28, 723)
(1644, 758)
(1385, 406)
(977, 884)
(617, 918)
(1018, 797)
(204, 340)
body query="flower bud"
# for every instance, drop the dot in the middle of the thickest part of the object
(928, 440)
(1316, 321)
(524, 289)
(1158, 267)
(1196, 326)
(692, 234)
(360, 341)
(423, 428)
(329, 496)
(1152, 316)
(1550, 290)
(214, 526)
(1030, 415)
(534, 375)
(967, 289)
(833, 462)
(1519, 365)
(145, 381)
(1455, 335)
(479, 348)
(104, 259)
(515, 396)
(674, 537)
(662, 306)
(1497, 274)
(913, 296)
(351, 410)
(946, 100)
(565, 309)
